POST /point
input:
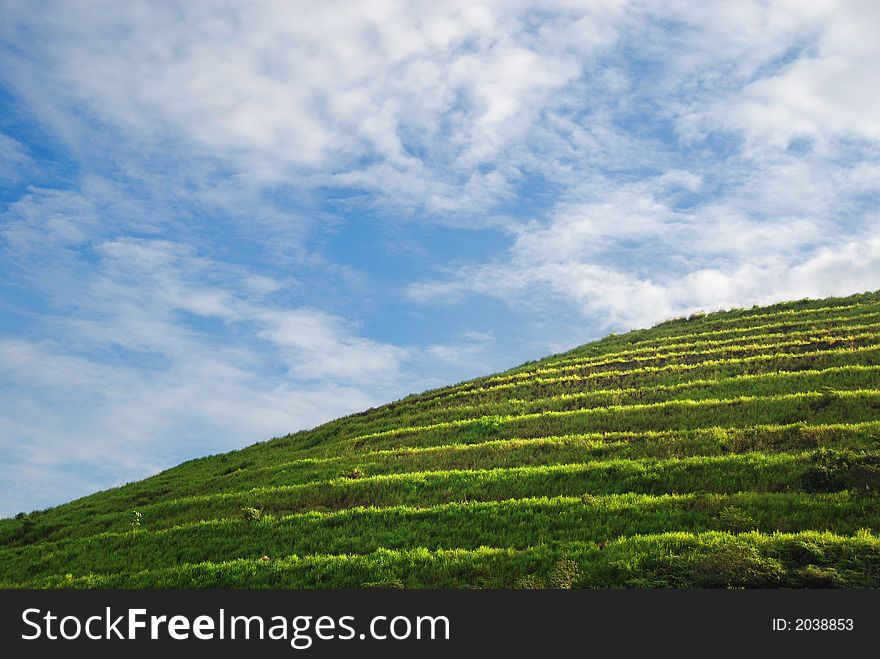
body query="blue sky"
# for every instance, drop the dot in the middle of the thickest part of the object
(223, 222)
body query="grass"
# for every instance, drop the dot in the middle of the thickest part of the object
(734, 449)
(671, 560)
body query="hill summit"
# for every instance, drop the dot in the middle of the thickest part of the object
(731, 449)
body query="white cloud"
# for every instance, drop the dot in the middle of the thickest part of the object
(44, 219)
(630, 258)
(405, 99)
(789, 71)
(621, 299)
(684, 227)
(317, 345)
(14, 159)
(466, 352)
(823, 95)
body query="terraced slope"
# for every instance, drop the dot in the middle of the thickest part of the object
(730, 449)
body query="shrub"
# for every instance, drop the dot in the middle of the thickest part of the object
(813, 576)
(736, 519)
(252, 514)
(803, 552)
(736, 566)
(529, 582)
(565, 574)
(489, 425)
(25, 532)
(388, 583)
(834, 470)
(563, 577)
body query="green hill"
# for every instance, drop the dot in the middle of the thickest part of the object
(739, 448)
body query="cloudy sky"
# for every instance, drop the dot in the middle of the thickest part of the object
(225, 221)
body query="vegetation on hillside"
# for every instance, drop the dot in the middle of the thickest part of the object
(733, 449)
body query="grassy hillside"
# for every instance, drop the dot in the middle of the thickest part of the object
(730, 449)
